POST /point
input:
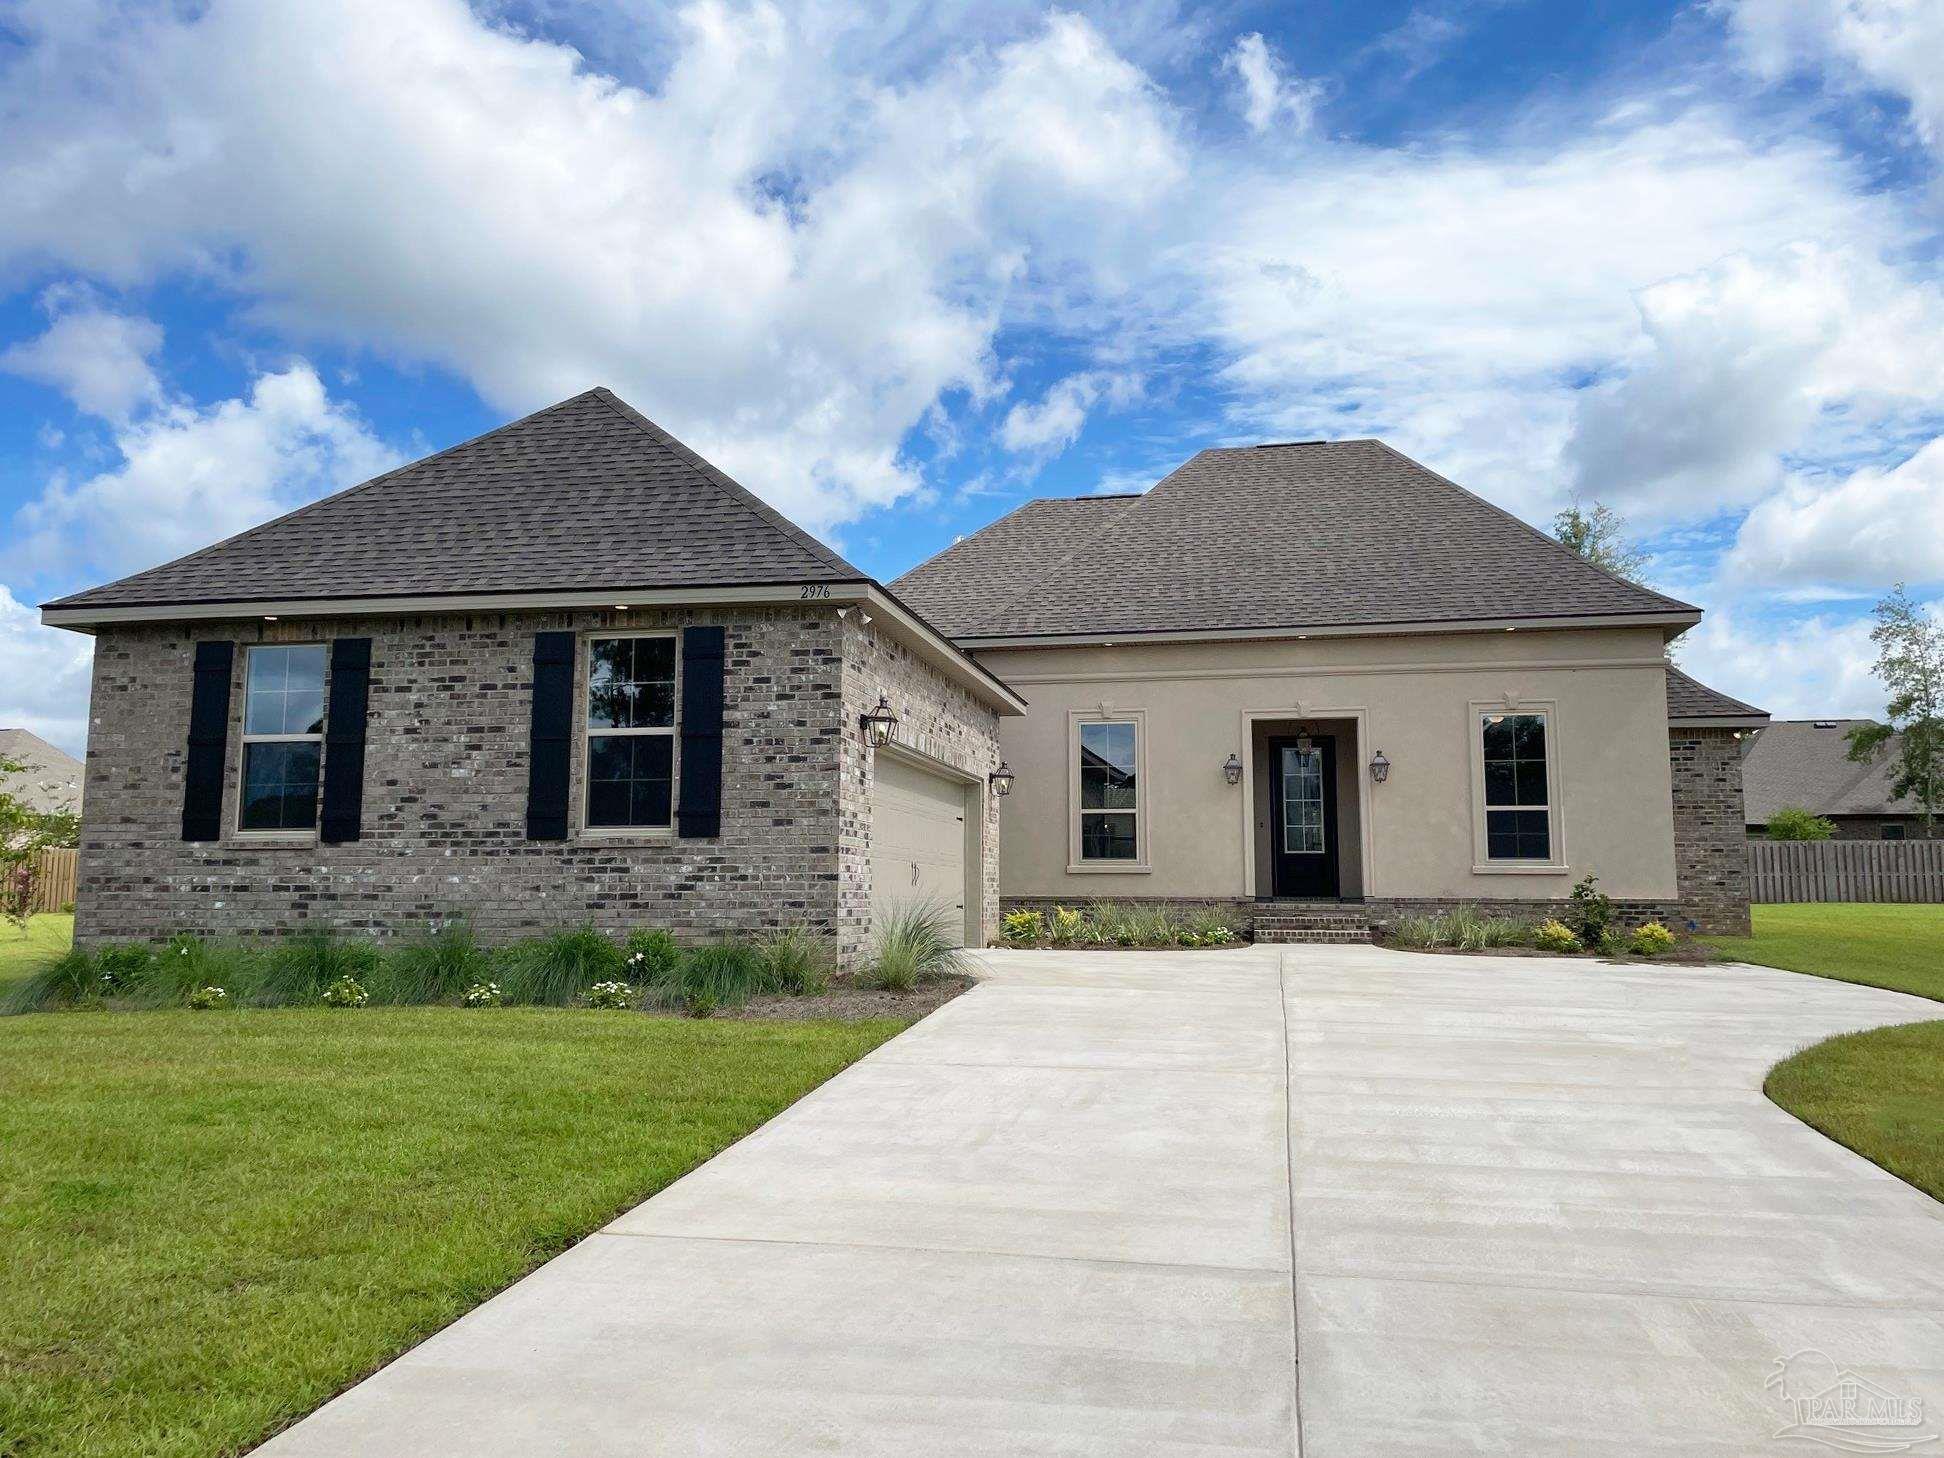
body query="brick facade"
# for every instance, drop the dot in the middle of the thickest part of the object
(446, 780)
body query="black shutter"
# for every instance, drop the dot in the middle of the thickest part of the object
(699, 811)
(553, 733)
(344, 740)
(202, 789)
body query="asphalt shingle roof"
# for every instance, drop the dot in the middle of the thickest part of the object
(1689, 698)
(587, 494)
(1343, 533)
(52, 778)
(1806, 762)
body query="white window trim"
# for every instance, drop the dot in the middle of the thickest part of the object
(298, 835)
(1142, 800)
(1482, 863)
(583, 677)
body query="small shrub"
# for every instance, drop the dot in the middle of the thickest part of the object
(432, 969)
(1592, 912)
(1507, 931)
(1208, 928)
(1022, 928)
(483, 994)
(300, 969)
(188, 963)
(1651, 940)
(1792, 822)
(345, 992)
(610, 995)
(1064, 926)
(914, 941)
(122, 967)
(722, 974)
(1555, 936)
(204, 999)
(1610, 944)
(1421, 932)
(652, 955)
(1463, 929)
(796, 961)
(553, 971)
(71, 981)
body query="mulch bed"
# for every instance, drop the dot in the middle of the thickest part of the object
(1686, 954)
(847, 1002)
(1112, 947)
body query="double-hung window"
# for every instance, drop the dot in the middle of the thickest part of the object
(631, 732)
(1518, 792)
(1110, 790)
(283, 737)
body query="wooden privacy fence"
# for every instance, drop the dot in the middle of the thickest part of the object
(54, 880)
(1846, 870)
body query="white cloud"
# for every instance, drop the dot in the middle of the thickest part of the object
(1810, 667)
(43, 676)
(1880, 45)
(98, 358)
(784, 263)
(1056, 420)
(1265, 95)
(189, 476)
(1877, 528)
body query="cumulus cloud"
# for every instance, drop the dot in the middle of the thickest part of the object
(99, 359)
(1879, 45)
(1051, 424)
(43, 676)
(1878, 527)
(191, 475)
(1819, 665)
(1264, 94)
(785, 264)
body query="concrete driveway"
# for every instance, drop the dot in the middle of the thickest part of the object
(1175, 1203)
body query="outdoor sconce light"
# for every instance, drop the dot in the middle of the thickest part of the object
(1303, 743)
(879, 723)
(1232, 769)
(1379, 768)
(1002, 779)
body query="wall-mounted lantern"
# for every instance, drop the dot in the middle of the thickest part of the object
(1002, 779)
(879, 724)
(1303, 742)
(1232, 769)
(1379, 768)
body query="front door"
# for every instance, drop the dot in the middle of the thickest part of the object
(1303, 816)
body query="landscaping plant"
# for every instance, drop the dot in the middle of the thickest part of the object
(301, 968)
(1555, 936)
(1064, 926)
(1651, 940)
(1910, 660)
(203, 999)
(1792, 822)
(1592, 913)
(722, 974)
(652, 955)
(914, 941)
(431, 969)
(1022, 928)
(347, 991)
(795, 960)
(483, 994)
(610, 995)
(553, 971)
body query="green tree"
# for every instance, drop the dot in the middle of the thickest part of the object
(1792, 822)
(24, 834)
(1910, 661)
(1600, 536)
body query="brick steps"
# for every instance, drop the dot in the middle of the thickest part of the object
(1327, 924)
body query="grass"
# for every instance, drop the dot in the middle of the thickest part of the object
(913, 941)
(1880, 1093)
(23, 953)
(1896, 946)
(214, 1221)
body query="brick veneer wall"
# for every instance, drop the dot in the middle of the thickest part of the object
(941, 723)
(446, 779)
(1710, 856)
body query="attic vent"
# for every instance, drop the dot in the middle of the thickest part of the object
(1277, 445)
(1825, 723)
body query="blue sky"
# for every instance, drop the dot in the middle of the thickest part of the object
(901, 269)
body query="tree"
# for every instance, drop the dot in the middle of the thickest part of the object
(1910, 661)
(1792, 822)
(24, 834)
(1600, 536)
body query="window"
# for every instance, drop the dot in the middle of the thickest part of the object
(283, 737)
(1893, 832)
(1302, 797)
(1518, 804)
(1109, 791)
(630, 732)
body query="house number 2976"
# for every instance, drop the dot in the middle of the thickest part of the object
(816, 589)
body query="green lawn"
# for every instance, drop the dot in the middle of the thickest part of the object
(1880, 1093)
(23, 953)
(1900, 947)
(211, 1222)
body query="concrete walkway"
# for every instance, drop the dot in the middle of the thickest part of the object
(1539, 1207)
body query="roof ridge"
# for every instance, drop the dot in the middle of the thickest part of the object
(379, 479)
(723, 482)
(1550, 540)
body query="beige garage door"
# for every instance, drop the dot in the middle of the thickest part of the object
(917, 841)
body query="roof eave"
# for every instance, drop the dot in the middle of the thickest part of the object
(1718, 721)
(977, 641)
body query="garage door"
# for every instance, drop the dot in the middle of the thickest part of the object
(917, 841)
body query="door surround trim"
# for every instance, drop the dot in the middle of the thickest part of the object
(1366, 831)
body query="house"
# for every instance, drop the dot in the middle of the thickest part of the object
(1321, 673)
(570, 672)
(566, 672)
(49, 782)
(1805, 763)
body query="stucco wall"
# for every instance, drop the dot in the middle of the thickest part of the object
(446, 782)
(1413, 698)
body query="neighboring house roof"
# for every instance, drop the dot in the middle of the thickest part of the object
(1806, 763)
(1315, 535)
(52, 779)
(584, 494)
(1691, 701)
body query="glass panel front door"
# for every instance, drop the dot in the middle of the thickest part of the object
(1302, 783)
(1302, 798)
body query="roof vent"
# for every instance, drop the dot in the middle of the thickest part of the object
(1825, 723)
(1276, 445)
